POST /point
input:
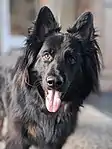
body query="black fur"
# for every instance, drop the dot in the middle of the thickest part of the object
(72, 60)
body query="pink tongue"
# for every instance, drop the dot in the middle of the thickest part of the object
(53, 101)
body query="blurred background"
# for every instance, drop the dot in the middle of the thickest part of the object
(15, 18)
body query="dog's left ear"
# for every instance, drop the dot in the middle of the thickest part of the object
(83, 27)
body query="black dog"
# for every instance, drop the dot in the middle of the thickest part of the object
(43, 93)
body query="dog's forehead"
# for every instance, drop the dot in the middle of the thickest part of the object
(56, 41)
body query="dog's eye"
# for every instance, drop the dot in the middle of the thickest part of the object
(71, 60)
(47, 57)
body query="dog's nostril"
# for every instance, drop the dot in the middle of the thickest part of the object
(54, 82)
(59, 83)
(50, 81)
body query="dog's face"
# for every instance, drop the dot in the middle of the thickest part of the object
(65, 63)
(56, 65)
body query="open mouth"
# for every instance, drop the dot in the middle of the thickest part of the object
(52, 100)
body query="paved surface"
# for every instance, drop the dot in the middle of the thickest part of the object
(94, 129)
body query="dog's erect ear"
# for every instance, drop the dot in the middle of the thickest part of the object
(44, 23)
(83, 26)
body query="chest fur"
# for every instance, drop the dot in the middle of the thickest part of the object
(51, 128)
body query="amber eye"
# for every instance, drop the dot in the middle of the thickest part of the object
(47, 57)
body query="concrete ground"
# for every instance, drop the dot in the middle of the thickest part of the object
(94, 130)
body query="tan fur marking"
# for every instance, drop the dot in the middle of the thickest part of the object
(32, 130)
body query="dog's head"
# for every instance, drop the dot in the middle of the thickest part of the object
(65, 65)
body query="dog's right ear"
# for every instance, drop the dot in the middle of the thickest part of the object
(44, 24)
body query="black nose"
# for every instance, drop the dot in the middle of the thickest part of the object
(54, 81)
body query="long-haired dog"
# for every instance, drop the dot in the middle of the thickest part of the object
(42, 94)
